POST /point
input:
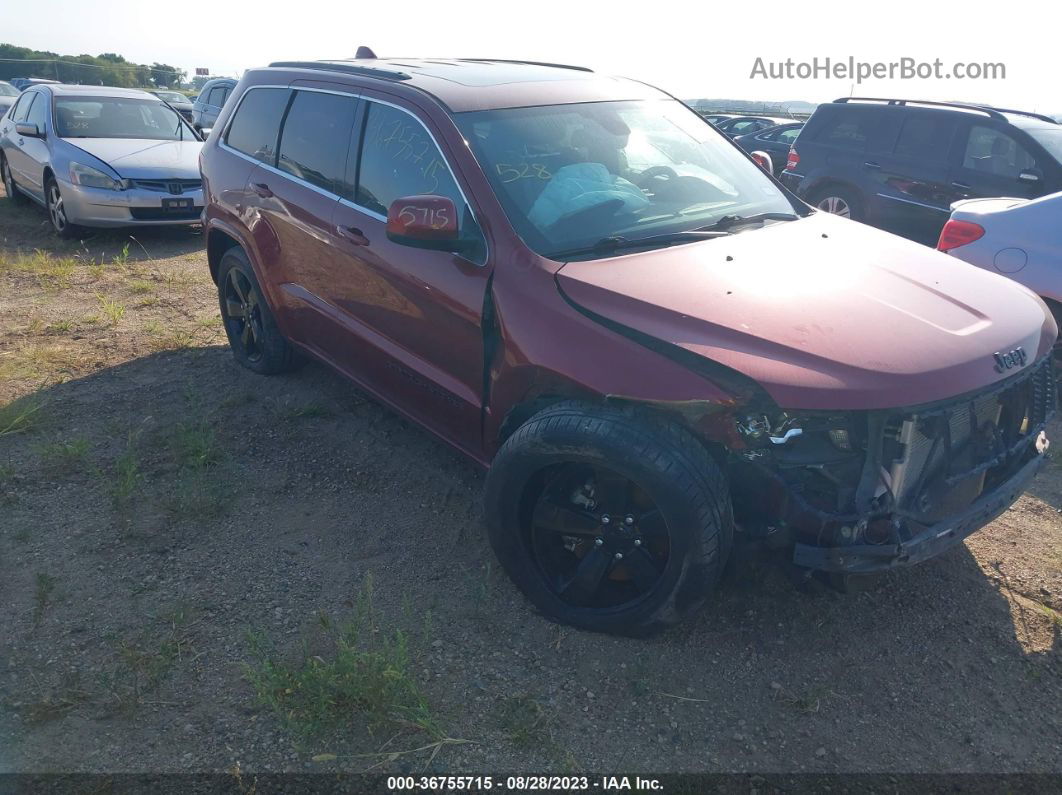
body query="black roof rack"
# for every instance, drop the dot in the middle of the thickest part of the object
(529, 63)
(996, 113)
(347, 68)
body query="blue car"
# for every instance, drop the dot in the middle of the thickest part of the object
(101, 157)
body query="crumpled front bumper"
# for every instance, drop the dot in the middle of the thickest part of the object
(874, 558)
(132, 207)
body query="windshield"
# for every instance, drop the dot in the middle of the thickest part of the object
(571, 175)
(8, 90)
(1050, 138)
(170, 96)
(119, 117)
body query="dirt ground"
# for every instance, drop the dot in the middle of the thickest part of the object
(178, 535)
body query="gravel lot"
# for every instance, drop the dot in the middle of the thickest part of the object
(165, 516)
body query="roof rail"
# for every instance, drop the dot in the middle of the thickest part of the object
(993, 112)
(347, 68)
(529, 63)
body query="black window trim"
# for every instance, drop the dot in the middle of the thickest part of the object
(359, 119)
(224, 140)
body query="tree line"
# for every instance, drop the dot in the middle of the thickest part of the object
(105, 69)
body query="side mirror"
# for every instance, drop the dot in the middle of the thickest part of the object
(763, 160)
(28, 129)
(424, 222)
(1029, 176)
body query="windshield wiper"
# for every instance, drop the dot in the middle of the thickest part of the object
(618, 242)
(732, 221)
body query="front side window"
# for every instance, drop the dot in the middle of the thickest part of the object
(399, 158)
(570, 176)
(315, 139)
(850, 131)
(22, 107)
(38, 112)
(119, 117)
(994, 152)
(256, 124)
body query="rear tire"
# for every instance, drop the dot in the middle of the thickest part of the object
(13, 194)
(592, 573)
(252, 331)
(840, 200)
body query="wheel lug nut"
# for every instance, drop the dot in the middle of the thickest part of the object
(598, 542)
(629, 520)
(637, 542)
(605, 519)
(619, 556)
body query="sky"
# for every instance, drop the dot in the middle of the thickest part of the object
(691, 50)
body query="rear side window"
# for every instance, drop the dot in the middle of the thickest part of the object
(925, 136)
(848, 130)
(399, 158)
(256, 123)
(993, 151)
(788, 136)
(316, 137)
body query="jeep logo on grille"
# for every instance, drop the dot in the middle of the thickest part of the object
(1008, 361)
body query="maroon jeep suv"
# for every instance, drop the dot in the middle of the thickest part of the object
(656, 349)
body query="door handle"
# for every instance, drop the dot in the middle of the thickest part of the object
(262, 190)
(961, 186)
(354, 235)
(872, 164)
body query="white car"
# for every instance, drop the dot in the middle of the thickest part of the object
(1020, 238)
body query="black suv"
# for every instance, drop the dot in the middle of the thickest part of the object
(899, 164)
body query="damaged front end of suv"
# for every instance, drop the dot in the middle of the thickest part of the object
(860, 492)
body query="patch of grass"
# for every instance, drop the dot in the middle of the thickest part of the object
(121, 259)
(526, 722)
(176, 278)
(173, 340)
(52, 705)
(59, 327)
(149, 300)
(44, 589)
(20, 416)
(139, 286)
(97, 271)
(208, 321)
(142, 662)
(62, 456)
(195, 446)
(364, 673)
(126, 474)
(112, 309)
(34, 362)
(50, 272)
(286, 408)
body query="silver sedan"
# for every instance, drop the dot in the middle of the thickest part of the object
(101, 157)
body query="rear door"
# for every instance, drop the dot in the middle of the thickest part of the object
(989, 159)
(914, 187)
(413, 316)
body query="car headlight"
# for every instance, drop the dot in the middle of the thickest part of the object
(90, 177)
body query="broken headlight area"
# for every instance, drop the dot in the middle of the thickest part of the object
(875, 478)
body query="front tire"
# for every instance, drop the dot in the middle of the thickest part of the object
(252, 331)
(57, 211)
(607, 520)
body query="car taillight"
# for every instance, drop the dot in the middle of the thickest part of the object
(958, 233)
(793, 159)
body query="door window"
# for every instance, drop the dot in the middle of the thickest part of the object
(315, 139)
(925, 137)
(22, 109)
(256, 123)
(992, 151)
(38, 112)
(399, 158)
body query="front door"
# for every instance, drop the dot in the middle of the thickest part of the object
(990, 161)
(413, 316)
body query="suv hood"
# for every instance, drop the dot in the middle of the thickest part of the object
(139, 158)
(824, 313)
